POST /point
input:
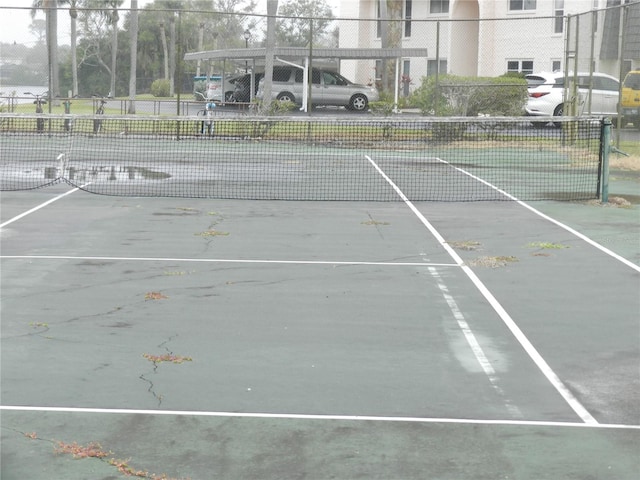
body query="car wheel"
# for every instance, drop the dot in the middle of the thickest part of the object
(558, 112)
(358, 102)
(286, 97)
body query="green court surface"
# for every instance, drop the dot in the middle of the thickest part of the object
(201, 338)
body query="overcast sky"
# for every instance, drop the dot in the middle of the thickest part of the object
(14, 23)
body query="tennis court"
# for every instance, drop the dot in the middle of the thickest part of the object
(202, 338)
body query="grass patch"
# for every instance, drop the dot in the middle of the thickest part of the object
(467, 245)
(547, 245)
(212, 233)
(632, 162)
(493, 262)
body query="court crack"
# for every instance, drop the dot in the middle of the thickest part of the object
(156, 360)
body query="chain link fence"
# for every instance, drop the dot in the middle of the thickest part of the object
(464, 40)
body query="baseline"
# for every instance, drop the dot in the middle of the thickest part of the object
(301, 416)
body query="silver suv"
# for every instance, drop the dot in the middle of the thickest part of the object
(327, 88)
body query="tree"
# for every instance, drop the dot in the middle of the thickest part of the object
(391, 35)
(295, 30)
(111, 12)
(39, 29)
(50, 8)
(73, 13)
(133, 37)
(93, 47)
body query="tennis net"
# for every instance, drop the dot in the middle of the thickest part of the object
(304, 158)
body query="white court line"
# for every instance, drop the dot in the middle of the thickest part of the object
(541, 363)
(473, 343)
(302, 416)
(42, 205)
(581, 236)
(224, 260)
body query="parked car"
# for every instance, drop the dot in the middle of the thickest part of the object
(327, 88)
(546, 94)
(630, 101)
(211, 88)
(242, 87)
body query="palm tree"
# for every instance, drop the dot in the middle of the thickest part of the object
(111, 12)
(73, 13)
(50, 8)
(133, 31)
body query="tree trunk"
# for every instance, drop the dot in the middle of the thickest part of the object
(272, 10)
(51, 14)
(163, 37)
(200, 47)
(384, 39)
(73, 13)
(114, 52)
(172, 55)
(133, 31)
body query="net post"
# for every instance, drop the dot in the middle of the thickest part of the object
(605, 150)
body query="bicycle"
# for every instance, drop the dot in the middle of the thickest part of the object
(39, 102)
(207, 125)
(97, 123)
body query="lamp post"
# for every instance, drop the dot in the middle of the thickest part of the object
(247, 36)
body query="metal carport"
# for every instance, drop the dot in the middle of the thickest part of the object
(291, 54)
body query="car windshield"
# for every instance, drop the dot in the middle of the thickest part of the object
(632, 81)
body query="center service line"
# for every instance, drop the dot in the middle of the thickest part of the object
(541, 363)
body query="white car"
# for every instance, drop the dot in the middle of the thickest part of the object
(546, 94)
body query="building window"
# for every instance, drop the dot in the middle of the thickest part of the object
(520, 66)
(558, 12)
(432, 67)
(439, 6)
(556, 65)
(518, 5)
(408, 6)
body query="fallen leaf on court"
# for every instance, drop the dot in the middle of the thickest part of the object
(167, 357)
(154, 296)
(93, 450)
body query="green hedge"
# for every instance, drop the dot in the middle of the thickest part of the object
(471, 96)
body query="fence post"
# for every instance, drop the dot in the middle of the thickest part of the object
(437, 89)
(605, 141)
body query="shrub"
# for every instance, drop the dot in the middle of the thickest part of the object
(471, 96)
(160, 88)
(199, 89)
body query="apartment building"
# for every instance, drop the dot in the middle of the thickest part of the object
(491, 37)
